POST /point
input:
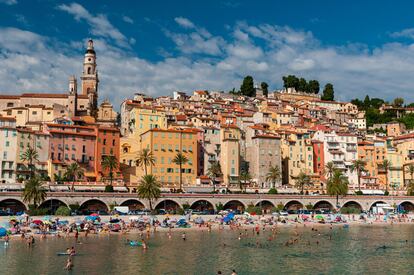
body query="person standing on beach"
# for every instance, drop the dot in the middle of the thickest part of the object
(183, 236)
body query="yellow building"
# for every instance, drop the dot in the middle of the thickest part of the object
(297, 156)
(142, 119)
(165, 145)
(396, 172)
(404, 146)
(230, 153)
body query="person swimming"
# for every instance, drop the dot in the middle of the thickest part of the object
(69, 264)
(183, 236)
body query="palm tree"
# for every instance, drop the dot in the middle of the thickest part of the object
(337, 185)
(273, 175)
(302, 181)
(74, 172)
(34, 191)
(110, 163)
(145, 158)
(149, 189)
(245, 178)
(410, 188)
(329, 169)
(180, 159)
(410, 170)
(30, 156)
(213, 172)
(358, 166)
(386, 165)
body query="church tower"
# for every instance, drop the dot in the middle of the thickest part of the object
(90, 78)
(73, 96)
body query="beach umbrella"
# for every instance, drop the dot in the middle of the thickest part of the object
(37, 222)
(319, 217)
(3, 232)
(94, 215)
(46, 218)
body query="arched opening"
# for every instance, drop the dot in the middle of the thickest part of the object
(352, 205)
(375, 204)
(235, 206)
(203, 206)
(407, 206)
(52, 205)
(168, 206)
(133, 205)
(266, 206)
(89, 70)
(93, 206)
(293, 205)
(323, 205)
(12, 206)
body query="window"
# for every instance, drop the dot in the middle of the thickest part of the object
(162, 160)
(113, 142)
(169, 160)
(34, 113)
(7, 143)
(104, 141)
(155, 147)
(233, 171)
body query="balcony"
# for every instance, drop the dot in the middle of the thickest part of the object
(351, 148)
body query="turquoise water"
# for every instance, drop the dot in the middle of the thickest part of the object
(351, 251)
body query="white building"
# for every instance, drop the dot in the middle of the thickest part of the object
(341, 149)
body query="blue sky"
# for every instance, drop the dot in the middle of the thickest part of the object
(157, 47)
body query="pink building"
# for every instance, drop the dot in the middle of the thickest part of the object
(72, 143)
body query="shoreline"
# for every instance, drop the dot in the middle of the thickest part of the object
(211, 223)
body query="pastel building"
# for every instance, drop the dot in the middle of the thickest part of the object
(165, 144)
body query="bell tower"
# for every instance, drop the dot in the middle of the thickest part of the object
(90, 79)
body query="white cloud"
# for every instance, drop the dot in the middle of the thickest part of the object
(9, 2)
(184, 22)
(99, 24)
(127, 19)
(31, 62)
(407, 33)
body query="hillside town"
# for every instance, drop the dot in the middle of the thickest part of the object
(285, 141)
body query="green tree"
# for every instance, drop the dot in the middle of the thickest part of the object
(290, 81)
(273, 175)
(367, 102)
(337, 185)
(34, 192)
(74, 172)
(149, 189)
(302, 85)
(247, 87)
(385, 166)
(145, 158)
(398, 102)
(264, 87)
(313, 87)
(180, 160)
(214, 171)
(30, 156)
(110, 163)
(244, 180)
(328, 92)
(302, 181)
(410, 170)
(329, 169)
(358, 166)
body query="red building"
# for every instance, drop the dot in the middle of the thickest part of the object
(318, 159)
